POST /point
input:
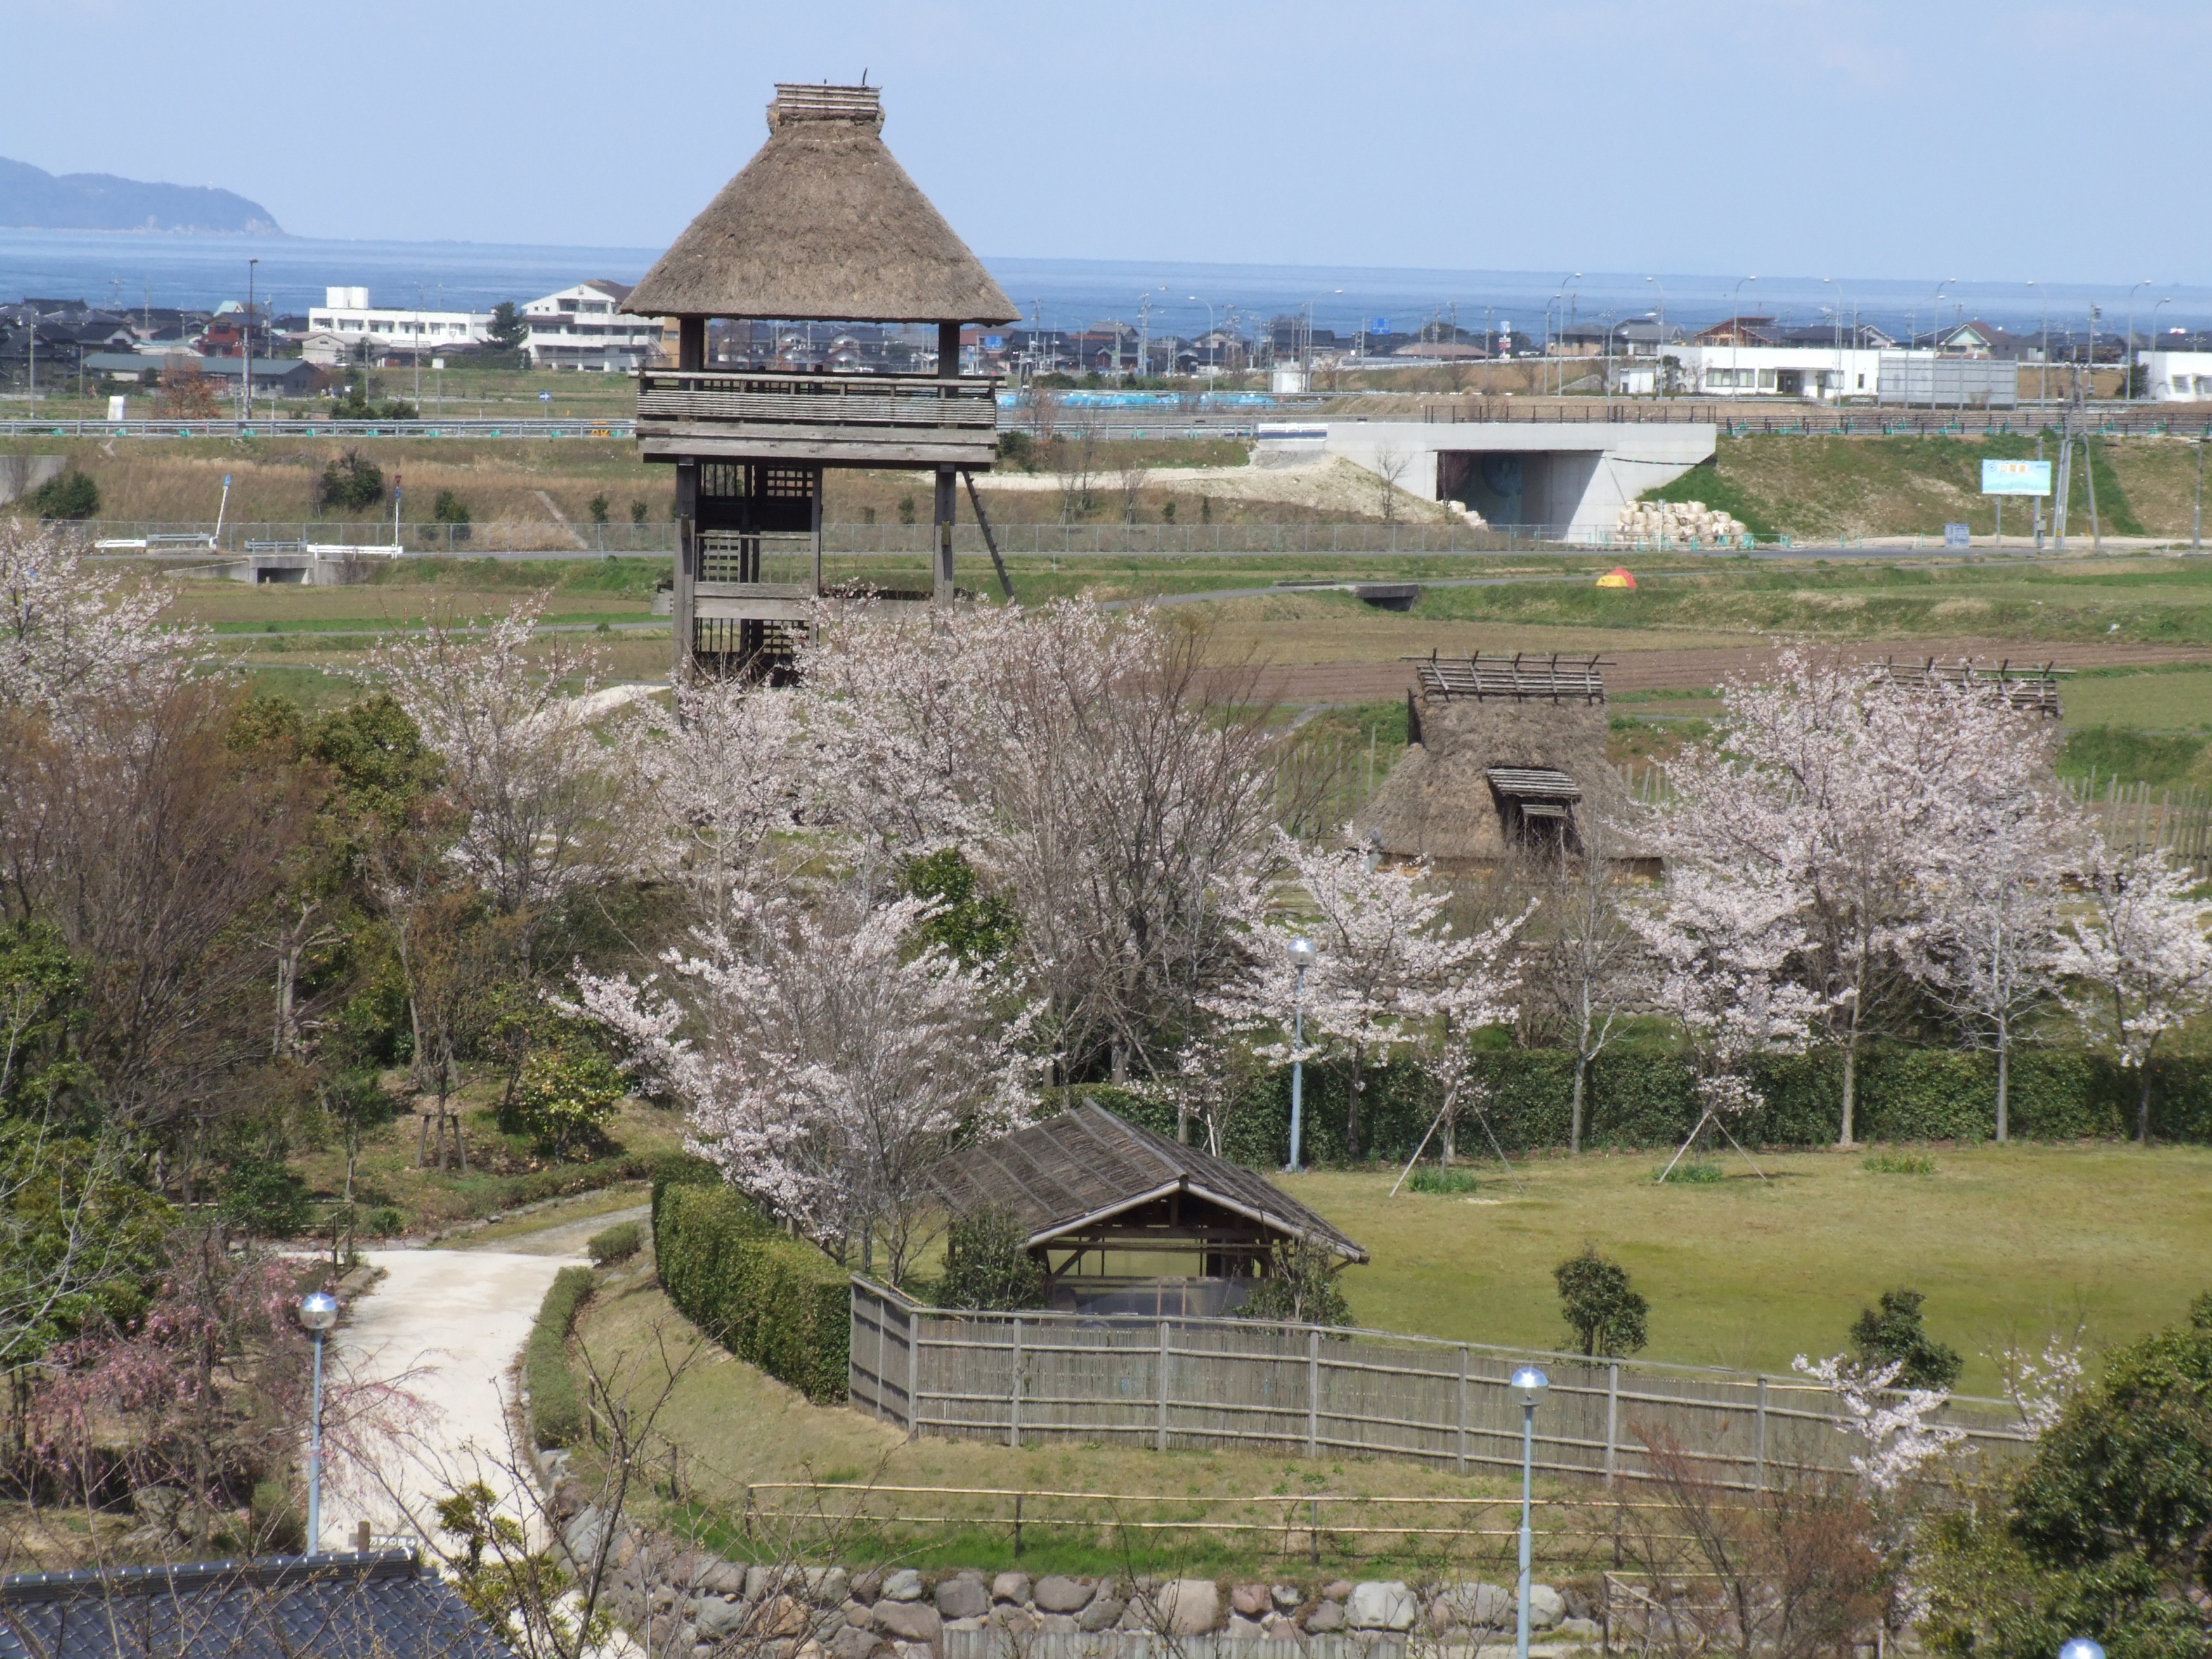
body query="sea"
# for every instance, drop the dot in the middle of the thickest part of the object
(122, 269)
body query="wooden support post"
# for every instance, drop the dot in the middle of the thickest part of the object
(1162, 1390)
(1460, 1455)
(948, 369)
(682, 608)
(1762, 1432)
(1014, 1391)
(912, 1372)
(1313, 1391)
(1612, 1416)
(817, 532)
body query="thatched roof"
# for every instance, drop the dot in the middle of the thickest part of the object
(1087, 1165)
(822, 224)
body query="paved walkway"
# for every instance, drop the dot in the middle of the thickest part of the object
(457, 1318)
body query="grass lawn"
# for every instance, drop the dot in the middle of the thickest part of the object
(2008, 1243)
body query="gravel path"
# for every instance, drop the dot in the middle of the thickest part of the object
(457, 1319)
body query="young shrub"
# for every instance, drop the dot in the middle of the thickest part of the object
(598, 509)
(261, 1197)
(449, 508)
(616, 1244)
(564, 1100)
(1691, 1173)
(1299, 1288)
(350, 483)
(70, 496)
(987, 1264)
(1900, 1163)
(1894, 1336)
(1606, 1315)
(637, 511)
(1430, 1178)
(277, 1525)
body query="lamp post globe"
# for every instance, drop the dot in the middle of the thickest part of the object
(2080, 1647)
(318, 1311)
(1301, 953)
(1530, 1385)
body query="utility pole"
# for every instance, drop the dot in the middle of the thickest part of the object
(250, 265)
(2197, 516)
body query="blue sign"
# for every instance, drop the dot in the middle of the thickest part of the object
(1957, 535)
(994, 342)
(2015, 477)
(1381, 325)
(544, 397)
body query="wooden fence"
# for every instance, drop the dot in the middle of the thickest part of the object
(1030, 1377)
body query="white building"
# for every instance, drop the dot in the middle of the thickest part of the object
(1820, 374)
(347, 313)
(581, 328)
(2177, 377)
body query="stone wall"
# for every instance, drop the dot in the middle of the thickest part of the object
(690, 1603)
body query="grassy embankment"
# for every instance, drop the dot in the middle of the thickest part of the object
(2009, 1244)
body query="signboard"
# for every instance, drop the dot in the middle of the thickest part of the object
(1381, 325)
(2015, 477)
(544, 397)
(994, 342)
(1958, 535)
(116, 408)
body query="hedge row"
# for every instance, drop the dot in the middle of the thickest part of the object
(1641, 1095)
(556, 1410)
(774, 1302)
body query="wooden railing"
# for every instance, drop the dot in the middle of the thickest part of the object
(773, 398)
(1521, 677)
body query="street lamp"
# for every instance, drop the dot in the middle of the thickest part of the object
(1208, 304)
(1308, 359)
(2127, 357)
(1301, 953)
(1935, 329)
(1736, 336)
(1531, 1385)
(2081, 1647)
(318, 1311)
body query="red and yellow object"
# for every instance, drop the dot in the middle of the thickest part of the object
(1617, 577)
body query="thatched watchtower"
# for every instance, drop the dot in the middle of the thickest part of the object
(1506, 756)
(822, 226)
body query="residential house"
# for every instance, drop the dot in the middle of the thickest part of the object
(1979, 339)
(2177, 377)
(581, 328)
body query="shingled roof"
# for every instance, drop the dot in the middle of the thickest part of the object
(822, 223)
(1086, 1165)
(378, 1605)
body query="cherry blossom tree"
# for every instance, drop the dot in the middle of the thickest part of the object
(1990, 950)
(1894, 1425)
(1389, 965)
(1721, 947)
(70, 636)
(1585, 962)
(824, 1057)
(1854, 788)
(726, 778)
(1102, 774)
(2141, 960)
(535, 786)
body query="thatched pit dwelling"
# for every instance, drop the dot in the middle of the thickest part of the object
(1125, 1221)
(822, 225)
(1506, 756)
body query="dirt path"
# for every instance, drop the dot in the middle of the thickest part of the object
(1653, 671)
(457, 1319)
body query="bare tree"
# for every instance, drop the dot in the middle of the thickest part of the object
(1389, 466)
(1129, 473)
(1075, 460)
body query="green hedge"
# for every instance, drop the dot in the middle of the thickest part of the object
(556, 1410)
(1640, 1097)
(774, 1302)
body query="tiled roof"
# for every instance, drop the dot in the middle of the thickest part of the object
(380, 1605)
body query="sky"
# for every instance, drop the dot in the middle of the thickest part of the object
(2059, 141)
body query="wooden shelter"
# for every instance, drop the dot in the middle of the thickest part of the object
(822, 225)
(1505, 755)
(1128, 1221)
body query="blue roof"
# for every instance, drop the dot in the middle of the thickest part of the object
(380, 1605)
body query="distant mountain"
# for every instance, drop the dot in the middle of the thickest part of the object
(31, 198)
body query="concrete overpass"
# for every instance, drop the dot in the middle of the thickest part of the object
(1563, 479)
